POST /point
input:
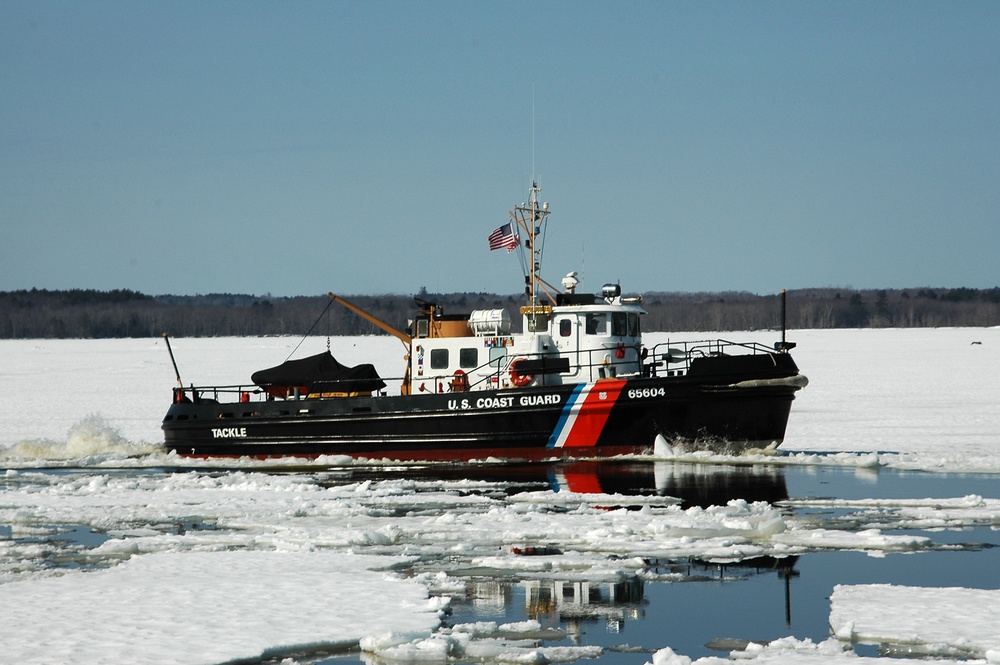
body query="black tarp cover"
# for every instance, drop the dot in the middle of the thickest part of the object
(323, 370)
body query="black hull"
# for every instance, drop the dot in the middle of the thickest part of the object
(733, 401)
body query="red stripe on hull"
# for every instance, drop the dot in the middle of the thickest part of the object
(594, 412)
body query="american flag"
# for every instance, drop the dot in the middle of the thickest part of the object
(504, 237)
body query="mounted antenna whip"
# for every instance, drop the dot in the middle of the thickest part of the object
(172, 361)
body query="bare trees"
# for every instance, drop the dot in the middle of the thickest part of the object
(80, 313)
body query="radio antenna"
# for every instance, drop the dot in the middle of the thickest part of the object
(532, 131)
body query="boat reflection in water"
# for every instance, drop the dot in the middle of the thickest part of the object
(701, 485)
(572, 600)
(577, 602)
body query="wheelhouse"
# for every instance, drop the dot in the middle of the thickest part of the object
(583, 338)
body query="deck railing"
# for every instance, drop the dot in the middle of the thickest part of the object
(663, 359)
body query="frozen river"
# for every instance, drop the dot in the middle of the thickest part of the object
(875, 525)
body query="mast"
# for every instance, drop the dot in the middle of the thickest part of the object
(530, 218)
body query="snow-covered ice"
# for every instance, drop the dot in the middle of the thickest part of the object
(311, 558)
(923, 621)
(207, 607)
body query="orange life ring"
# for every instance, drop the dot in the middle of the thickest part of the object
(517, 378)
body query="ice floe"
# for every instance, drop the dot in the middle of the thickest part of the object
(209, 607)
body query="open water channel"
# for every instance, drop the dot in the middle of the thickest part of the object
(695, 605)
(701, 607)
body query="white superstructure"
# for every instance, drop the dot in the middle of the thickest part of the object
(565, 337)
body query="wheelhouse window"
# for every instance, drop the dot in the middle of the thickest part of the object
(597, 324)
(538, 322)
(439, 358)
(619, 324)
(468, 358)
(633, 324)
(496, 354)
(565, 327)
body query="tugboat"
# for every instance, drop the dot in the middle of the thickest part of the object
(575, 382)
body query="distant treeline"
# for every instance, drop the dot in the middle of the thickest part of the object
(78, 313)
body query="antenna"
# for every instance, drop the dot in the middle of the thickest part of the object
(530, 218)
(533, 132)
(166, 339)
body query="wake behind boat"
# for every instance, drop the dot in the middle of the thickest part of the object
(576, 381)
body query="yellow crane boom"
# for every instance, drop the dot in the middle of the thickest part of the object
(406, 339)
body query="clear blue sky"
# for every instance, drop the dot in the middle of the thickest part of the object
(370, 147)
